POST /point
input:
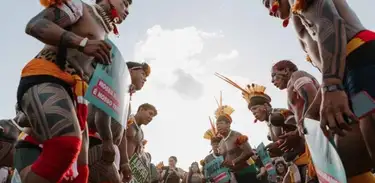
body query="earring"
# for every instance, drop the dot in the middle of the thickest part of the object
(115, 18)
(275, 6)
(286, 22)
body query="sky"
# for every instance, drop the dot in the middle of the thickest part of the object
(185, 42)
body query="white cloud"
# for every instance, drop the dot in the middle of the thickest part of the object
(226, 56)
(183, 90)
(173, 50)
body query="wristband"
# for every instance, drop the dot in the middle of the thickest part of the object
(333, 88)
(83, 44)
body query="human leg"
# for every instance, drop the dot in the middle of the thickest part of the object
(54, 123)
(100, 171)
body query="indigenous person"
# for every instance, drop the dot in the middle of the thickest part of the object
(279, 121)
(106, 135)
(213, 136)
(194, 175)
(302, 89)
(145, 113)
(171, 173)
(53, 83)
(341, 48)
(234, 147)
(259, 103)
(134, 133)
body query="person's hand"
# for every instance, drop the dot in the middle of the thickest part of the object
(98, 49)
(333, 108)
(228, 164)
(259, 176)
(108, 152)
(126, 173)
(273, 149)
(290, 140)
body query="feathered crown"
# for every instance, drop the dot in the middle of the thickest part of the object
(250, 92)
(223, 110)
(136, 65)
(212, 132)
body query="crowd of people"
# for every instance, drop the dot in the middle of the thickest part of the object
(58, 136)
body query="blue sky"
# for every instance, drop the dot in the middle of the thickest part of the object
(185, 42)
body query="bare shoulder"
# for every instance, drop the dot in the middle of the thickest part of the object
(131, 131)
(73, 8)
(236, 133)
(299, 74)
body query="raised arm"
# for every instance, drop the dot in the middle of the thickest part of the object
(48, 26)
(331, 39)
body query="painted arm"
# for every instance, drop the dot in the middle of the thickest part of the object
(307, 91)
(48, 26)
(244, 145)
(123, 148)
(103, 125)
(331, 39)
(305, 39)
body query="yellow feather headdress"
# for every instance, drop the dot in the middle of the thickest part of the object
(250, 92)
(223, 110)
(210, 133)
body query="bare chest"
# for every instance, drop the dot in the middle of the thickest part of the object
(228, 148)
(138, 135)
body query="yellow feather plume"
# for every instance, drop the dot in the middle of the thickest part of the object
(224, 110)
(160, 165)
(209, 134)
(249, 91)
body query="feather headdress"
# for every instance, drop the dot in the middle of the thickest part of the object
(223, 110)
(253, 94)
(212, 132)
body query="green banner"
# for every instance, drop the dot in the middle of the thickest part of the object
(141, 173)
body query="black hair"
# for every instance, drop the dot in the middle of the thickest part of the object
(174, 158)
(191, 171)
(148, 106)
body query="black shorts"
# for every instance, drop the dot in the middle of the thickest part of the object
(30, 81)
(359, 78)
(25, 154)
